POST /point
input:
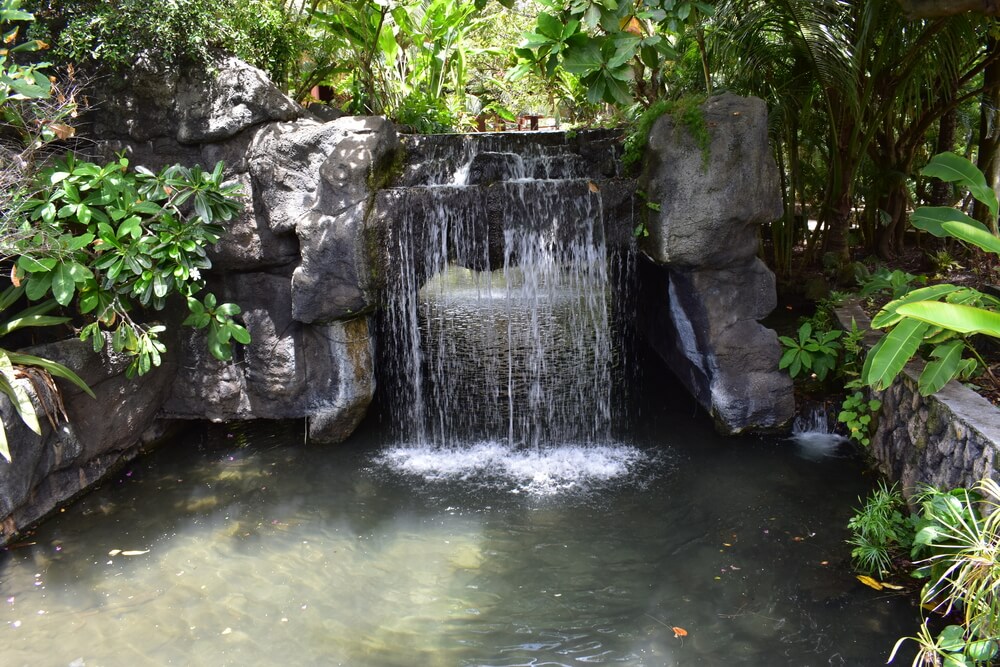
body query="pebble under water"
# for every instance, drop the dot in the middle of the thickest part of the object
(245, 546)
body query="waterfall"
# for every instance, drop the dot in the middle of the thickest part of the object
(500, 315)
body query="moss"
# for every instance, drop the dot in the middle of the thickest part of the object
(687, 114)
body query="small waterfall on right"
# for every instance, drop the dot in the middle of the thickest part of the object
(812, 433)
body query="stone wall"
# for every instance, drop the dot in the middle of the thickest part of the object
(947, 440)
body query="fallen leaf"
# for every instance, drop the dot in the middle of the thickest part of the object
(135, 553)
(593, 186)
(114, 552)
(679, 632)
(869, 582)
(14, 278)
(62, 130)
(891, 587)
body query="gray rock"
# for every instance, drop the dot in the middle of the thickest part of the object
(191, 106)
(703, 202)
(708, 334)
(291, 370)
(48, 470)
(705, 232)
(230, 98)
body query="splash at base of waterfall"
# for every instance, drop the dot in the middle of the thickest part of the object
(538, 472)
(812, 434)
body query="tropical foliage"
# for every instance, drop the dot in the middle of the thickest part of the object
(958, 536)
(941, 317)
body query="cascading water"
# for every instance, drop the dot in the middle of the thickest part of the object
(501, 312)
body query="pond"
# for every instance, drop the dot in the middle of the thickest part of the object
(247, 546)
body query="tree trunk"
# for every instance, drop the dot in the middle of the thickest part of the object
(923, 9)
(942, 193)
(989, 134)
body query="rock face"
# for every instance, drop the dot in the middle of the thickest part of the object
(45, 471)
(703, 241)
(302, 262)
(295, 260)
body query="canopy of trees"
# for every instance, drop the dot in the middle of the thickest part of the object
(862, 92)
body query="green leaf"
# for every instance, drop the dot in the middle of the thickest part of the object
(228, 309)
(582, 60)
(952, 638)
(239, 334)
(981, 650)
(63, 284)
(888, 316)
(930, 219)
(550, 26)
(943, 369)
(52, 367)
(891, 354)
(957, 317)
(32, 265)
(974, 235)
(953, 168)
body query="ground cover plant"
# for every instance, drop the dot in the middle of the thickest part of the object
(950, 543)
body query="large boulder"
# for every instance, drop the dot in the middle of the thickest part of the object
(319, 180)
(47, 470)
(193, 106)
(292, 370)
(705, 199)
(701, 312)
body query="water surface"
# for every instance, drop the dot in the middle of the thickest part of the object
(258, 549)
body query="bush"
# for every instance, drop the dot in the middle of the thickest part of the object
(113, 36)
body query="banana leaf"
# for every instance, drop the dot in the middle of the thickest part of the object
(954, 316)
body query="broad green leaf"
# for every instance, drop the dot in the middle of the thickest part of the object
(974, 235)
(550, 26)
(930, 219)
(952, 638)
(228, 309)
(239, 334)
(582, 60)
(956, 169)
(889, 316)
(32, 265)
(957, 317)
(63, 284)
(943, 369)
(981, 650)
(891, 354)
(38, 286)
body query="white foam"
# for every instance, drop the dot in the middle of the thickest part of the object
(545, 471)
(812, 434)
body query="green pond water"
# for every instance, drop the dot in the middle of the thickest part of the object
(245, 546)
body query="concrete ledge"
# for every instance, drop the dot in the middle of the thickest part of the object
(946, 440)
